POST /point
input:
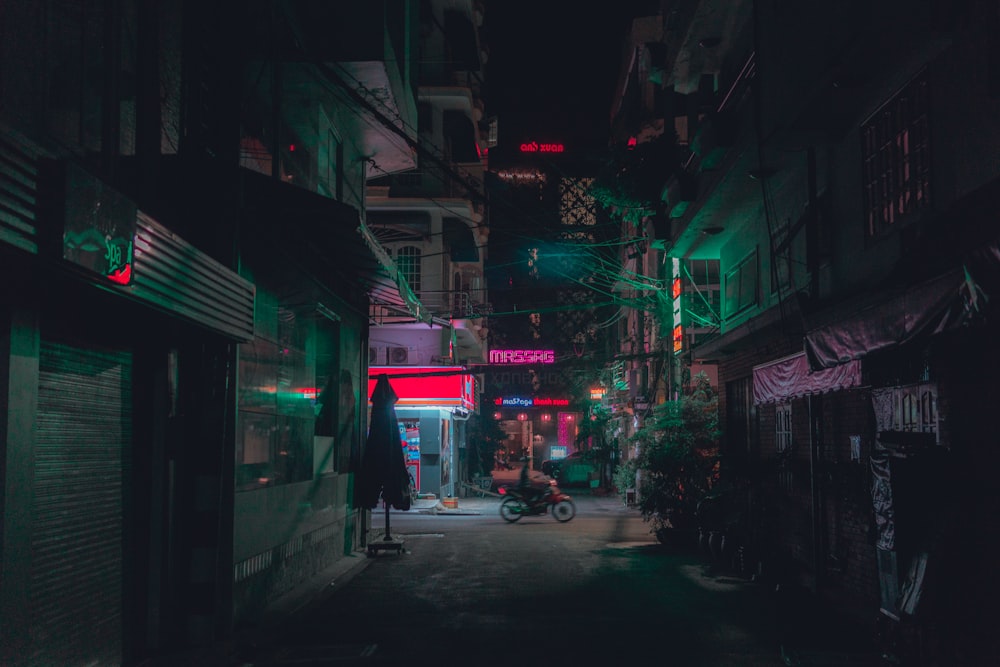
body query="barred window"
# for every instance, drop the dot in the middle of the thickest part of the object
(783, 426)
(895, 149)
(408, 261)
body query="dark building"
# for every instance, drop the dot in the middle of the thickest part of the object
(836, 161)
(184, 309)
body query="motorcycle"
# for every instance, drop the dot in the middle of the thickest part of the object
(516, 504)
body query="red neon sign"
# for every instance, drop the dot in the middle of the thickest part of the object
(535, 147)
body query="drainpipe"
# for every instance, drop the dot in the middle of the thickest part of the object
(814, 489)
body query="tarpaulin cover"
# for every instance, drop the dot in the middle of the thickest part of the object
(790, 377)
(896, 320)
(942, 303)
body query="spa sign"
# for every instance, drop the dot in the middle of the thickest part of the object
(99, 229)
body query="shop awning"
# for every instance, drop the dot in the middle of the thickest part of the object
(790, 377)
(931, 307)
(428, 386)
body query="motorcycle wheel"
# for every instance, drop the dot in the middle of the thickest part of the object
(511, 509)
(563, 511)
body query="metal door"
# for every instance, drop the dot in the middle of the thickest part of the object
(83, 430)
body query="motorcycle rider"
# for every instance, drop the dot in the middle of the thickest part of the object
(531, 486)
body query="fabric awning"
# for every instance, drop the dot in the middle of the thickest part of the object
(784, 379)
(928, 308)
(955, 298)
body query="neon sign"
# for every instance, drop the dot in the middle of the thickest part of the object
(518, 402)
(99, 227)
(535, 147)
(678, 331)
(522, 356)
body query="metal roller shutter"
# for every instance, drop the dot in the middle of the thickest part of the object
(82, 434)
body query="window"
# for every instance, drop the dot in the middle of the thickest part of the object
(895, 149)
(297, 410)
(908, 408)
(277, 387)
(741, 285)
(408, 261)
(783, 427)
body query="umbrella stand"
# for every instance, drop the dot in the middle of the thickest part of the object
(388, 534)
(387, 542)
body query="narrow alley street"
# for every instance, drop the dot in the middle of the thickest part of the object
(472, 589)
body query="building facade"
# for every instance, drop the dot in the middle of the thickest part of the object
(185, 309)
(836, 167)
(433, 221)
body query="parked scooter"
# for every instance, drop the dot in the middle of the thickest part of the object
(517, 504)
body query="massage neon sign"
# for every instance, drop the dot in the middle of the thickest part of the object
(522, 356)
(531, 402)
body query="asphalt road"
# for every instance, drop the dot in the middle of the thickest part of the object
(471, 589)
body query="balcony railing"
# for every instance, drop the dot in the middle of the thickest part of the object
(458, 305)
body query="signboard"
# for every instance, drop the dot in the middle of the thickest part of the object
(676, 293)
(522, 356)
(530, 402)
(99, 229)
(535, 147)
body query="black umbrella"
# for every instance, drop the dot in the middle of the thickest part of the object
(383, 471)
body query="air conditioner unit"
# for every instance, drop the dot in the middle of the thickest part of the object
(373, 355)
(398, 355)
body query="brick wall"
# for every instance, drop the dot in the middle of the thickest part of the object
(781, 529)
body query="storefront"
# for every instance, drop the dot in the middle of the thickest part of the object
(116, 349)
(434, 402)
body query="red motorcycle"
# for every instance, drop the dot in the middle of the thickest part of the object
(517, 503)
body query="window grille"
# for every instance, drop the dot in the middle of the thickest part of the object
(895, 149)
(783, 427)
(408, 261)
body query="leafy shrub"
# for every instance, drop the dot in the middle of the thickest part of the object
(678, 456)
